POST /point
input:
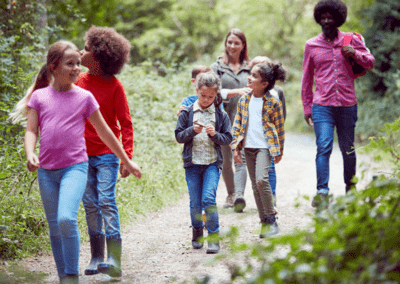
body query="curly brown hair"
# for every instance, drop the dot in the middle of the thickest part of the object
(110, 48)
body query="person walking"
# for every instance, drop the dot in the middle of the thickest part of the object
(203, 127)
(233, 69)
(334, 102)
(59, 109)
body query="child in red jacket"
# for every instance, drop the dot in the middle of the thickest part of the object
(104, 55)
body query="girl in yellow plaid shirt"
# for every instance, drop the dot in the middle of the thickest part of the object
(258, 130)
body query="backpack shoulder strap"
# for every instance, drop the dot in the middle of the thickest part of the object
(347, 39)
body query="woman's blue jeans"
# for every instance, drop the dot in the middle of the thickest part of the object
(99, 198)
(62, 191)
(325, 119)
(272, 176)
(202, 181)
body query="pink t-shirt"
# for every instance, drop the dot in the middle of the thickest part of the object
(62, 117)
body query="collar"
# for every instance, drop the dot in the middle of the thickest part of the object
(338, 37)
(245, 65)
(210, 109)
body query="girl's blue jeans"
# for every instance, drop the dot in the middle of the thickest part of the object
(325, 119)
(99, 198)
(202, 181)
(62, 191)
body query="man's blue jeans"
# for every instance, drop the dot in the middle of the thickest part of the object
(99, 198)
(202, 181)
(62, 191)
(325, 119)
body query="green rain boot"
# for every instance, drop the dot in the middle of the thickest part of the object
(112, 266)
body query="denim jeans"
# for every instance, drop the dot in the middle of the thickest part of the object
(99, 198)
(258, 162)
(325, 119)
(62, 191)
(202, 181)
(272, 176)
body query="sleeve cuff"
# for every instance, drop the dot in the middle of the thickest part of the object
(224, 93)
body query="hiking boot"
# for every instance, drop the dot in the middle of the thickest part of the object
(269, 227)
(349, 187)
(318, 199)
(213, 247)
(239, 204)
(229, 201)
(112, 266)
(97, 251)
(213, 243)
(70, 279)
(197, 234)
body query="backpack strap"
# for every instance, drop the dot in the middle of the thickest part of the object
(347, 39)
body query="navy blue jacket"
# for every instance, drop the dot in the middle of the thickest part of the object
(184, 133)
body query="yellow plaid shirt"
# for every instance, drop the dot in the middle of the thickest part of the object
(273, 124)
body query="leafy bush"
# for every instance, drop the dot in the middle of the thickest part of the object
(355, 240)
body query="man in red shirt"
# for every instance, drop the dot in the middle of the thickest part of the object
(105, 54)
(334, 102)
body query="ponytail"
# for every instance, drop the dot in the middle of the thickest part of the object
(43, 79)
(21, 109)
(271, 73)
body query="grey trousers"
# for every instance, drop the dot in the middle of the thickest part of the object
(258, 163)
(235, 183)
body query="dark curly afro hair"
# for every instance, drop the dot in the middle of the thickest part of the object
(337, 8)
(109, 48)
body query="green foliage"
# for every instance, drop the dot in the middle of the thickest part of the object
(355, 240)
(380, 89)
(164, 30)
(154, 100)
(21, 46)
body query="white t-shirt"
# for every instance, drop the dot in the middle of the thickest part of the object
(255, 133)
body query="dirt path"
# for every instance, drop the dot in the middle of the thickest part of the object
(158, 248)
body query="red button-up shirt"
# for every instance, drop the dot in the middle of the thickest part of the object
(334, 78)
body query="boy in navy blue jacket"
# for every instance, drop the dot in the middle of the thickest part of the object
(203, 127)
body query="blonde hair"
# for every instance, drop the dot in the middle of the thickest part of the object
(261, 60)
(42, 80)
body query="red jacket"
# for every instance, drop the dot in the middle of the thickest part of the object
(110, 94)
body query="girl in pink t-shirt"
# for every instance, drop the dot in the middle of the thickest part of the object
(59, 109)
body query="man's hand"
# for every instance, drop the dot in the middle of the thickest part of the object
(348, 52)
(308, 118)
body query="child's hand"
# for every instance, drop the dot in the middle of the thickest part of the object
(123, 171)
(32, 162)
(198, 128)
(237, 157)
(180, 109)
(134, 169)
(278, 159)
(210, 130)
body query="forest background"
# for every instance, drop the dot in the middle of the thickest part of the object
(168, 38)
